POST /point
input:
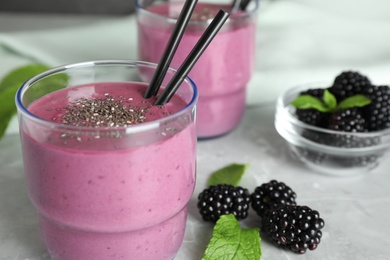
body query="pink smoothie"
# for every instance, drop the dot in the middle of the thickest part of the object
(111, 196)
(222, 72)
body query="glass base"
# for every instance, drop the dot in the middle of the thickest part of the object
(157, 242)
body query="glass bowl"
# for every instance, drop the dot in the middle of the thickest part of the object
(328, 151)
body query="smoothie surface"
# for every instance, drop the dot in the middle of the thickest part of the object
(110, 104)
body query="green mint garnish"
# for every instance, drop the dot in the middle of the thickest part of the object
(231, 242)
(329, 102)
(309, 102)
(230, 174)
(8, 87)
(7, 109)
(354, 101)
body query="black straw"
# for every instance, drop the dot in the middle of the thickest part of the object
(170, 49)
(239, 5)
(193, 57)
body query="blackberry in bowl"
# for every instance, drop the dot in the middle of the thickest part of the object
(340, 128)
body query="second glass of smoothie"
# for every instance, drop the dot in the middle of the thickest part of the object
(109, 173)
(224, 69)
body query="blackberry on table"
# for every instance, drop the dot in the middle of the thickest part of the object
(312, 116)
(223, 199)
(349, 83)
(295, 228)
(377, 113)
(271, 194)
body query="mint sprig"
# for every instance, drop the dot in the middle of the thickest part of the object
(230, 241)
(7, 109)
(8, 88)
(329, 102)
(230, 174)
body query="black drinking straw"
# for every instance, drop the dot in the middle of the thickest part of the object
(239, 5)
(170, 49)
(193, 57)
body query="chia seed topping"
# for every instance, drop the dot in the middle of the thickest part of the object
(107, 111)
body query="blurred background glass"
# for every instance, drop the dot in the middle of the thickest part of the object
(69, 6)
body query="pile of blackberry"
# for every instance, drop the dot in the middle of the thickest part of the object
(283, 222)
(370, 118)
(373, 117)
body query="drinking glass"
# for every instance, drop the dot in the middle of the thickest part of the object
(223, 70)
(109, 192)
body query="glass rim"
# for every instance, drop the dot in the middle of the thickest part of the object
(141, 127)
(170, 20)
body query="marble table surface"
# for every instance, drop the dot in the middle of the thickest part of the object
(297, 42)
(355, 209)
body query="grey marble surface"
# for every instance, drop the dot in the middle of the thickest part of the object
(297, 42)
(355, 209)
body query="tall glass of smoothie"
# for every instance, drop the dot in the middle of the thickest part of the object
(109, 173)
(223, 70)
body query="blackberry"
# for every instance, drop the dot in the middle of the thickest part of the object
(311, 156)
(271, 194)
(295, 228)
(377, 112)
(347, 120)
(312, 116)
(349, 83)
(223, 199)
(342, 140)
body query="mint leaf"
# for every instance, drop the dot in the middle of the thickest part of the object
(329, 100)
(8, 88)
(354, 101)
(230, 174)
(231, 242)
(7, 109)
(309, 102)
(19, 75)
